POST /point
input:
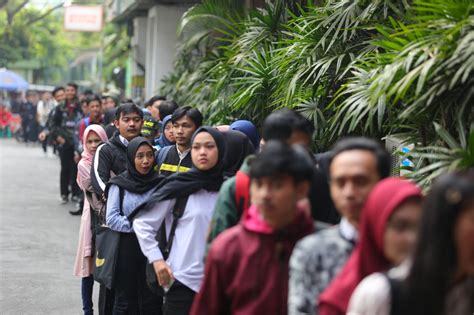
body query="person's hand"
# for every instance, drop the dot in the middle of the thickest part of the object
(163, 272)
(60, 140)
(42, 136)
(77, 157)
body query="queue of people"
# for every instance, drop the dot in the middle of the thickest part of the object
(218, 220)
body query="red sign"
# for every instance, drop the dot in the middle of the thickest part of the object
(83, 18)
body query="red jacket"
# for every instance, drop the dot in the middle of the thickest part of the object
(247, 268)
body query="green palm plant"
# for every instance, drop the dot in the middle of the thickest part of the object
(450, 154)
(423, 72)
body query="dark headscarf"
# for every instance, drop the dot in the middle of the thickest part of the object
(131, 180)
(162, 140)
(249, 129)
(187, 183)
(238, 147)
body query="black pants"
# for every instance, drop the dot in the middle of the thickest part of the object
(178, 300)
(106, 300)
(132, 295)
(68, 171)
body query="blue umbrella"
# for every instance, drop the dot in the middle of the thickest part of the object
(11, 81)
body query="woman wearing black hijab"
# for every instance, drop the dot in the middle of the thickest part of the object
(181, 273)
(124, 192)
(238, 147)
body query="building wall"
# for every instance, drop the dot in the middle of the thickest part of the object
(161, 43)
(137, 62)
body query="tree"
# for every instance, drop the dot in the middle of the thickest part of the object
(372, 68)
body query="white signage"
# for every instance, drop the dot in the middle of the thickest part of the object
(83, 18)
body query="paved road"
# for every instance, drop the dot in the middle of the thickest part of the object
(38, 237)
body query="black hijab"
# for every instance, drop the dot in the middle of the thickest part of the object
(185, 184)
(131, 180)
(238, 147)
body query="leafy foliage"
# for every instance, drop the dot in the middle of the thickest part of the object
(373, 68)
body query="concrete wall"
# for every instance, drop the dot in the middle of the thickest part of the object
(161, 44)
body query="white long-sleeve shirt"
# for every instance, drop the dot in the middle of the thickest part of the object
(187, 252)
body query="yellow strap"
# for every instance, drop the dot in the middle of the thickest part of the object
(174, 168)
(183, 169)
(168, 167)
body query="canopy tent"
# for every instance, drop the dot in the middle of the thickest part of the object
(11, 81)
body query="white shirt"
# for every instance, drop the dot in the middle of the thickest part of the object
(123, 140)
(186, 258)
(348, 231)
(183, 154)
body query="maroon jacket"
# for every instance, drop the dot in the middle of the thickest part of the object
(247, 268)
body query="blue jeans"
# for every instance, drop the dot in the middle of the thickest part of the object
(86, 291)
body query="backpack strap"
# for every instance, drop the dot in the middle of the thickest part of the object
(87, 121)
(242, 194)
(395, 292)
(178, 211)
(162, 154)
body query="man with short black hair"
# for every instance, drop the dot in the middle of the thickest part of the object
(112, 156)
(356, 166)
(176, 158)
(247, 266)
(152, 106)
(166, 108)
(62, 126)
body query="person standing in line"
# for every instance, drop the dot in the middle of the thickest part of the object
(177, 159)
(387, 236)
(63, 125)
(180, 274)
(166, 136)
(84, 264)
(134, 186)
(166, 108)
(94, 108)
(249, 129)
(356, 166)
(28, 113)
(58, 97)
(110, 160)
(152, 106)
(45, 105)
(247, 265)
(438, 279)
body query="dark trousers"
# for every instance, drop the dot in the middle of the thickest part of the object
(178, 300)
(86, 292)
(132, 295)
(106, 300)
(68, 171)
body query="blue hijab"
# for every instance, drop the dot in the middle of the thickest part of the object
(162, 141)
(249, 130)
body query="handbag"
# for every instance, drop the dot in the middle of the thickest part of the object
(107, 243)
(165, 245)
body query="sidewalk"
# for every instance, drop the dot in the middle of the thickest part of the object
(38, 237)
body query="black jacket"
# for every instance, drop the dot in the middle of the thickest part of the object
(110, 157)
(172, 163)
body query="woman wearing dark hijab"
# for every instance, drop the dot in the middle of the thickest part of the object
(249, 129)
(238, 147)
(166, 137)
(125, 192)
(181, 273)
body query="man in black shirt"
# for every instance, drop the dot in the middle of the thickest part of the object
(177, 158)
